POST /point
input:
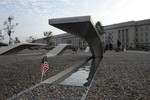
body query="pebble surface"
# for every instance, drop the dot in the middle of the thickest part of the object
(17, 72)
(53, 92)
(122, 76)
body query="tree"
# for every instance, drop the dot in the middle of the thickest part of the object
(16, 40)
(9, 27)
(48, 36)
(30, 39)
(1, 36)
(99, 28)
(3, 44)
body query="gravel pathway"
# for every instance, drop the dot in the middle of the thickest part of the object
(122, 76)
(18, 73)
(53, 92)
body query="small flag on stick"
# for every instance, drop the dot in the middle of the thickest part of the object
(44, 67)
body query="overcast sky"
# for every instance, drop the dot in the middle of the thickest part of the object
(33, 15)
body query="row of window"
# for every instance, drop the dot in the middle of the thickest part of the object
(123, 31)
(109, 33)
(141, 34)
(141, 40)
(144, 28)
(108, 41)
(123, 35)
(69, 40)
(107, 37)
(73, 40)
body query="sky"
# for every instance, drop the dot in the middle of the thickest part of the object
(32, 15)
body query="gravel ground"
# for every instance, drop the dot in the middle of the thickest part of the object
(18, 73)
(53, 92)
(122, 76)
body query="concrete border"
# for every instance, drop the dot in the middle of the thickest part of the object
(15, 48)
(55, 78)
(58, 50)
(63, 74)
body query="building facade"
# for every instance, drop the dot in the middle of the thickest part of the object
(63, 39)
(132, 34)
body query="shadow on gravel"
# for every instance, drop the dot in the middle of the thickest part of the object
(94, 65)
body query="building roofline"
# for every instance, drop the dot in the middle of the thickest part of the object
(56, 36)
(119, 25)
(128, 24)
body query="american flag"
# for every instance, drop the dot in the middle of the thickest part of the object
(44, 66)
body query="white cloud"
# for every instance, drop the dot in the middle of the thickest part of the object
(111, 12)
(24, 2)
(33, 15)
(6, 2)
(65, 1)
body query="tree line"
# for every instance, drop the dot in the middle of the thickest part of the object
(9, 27)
